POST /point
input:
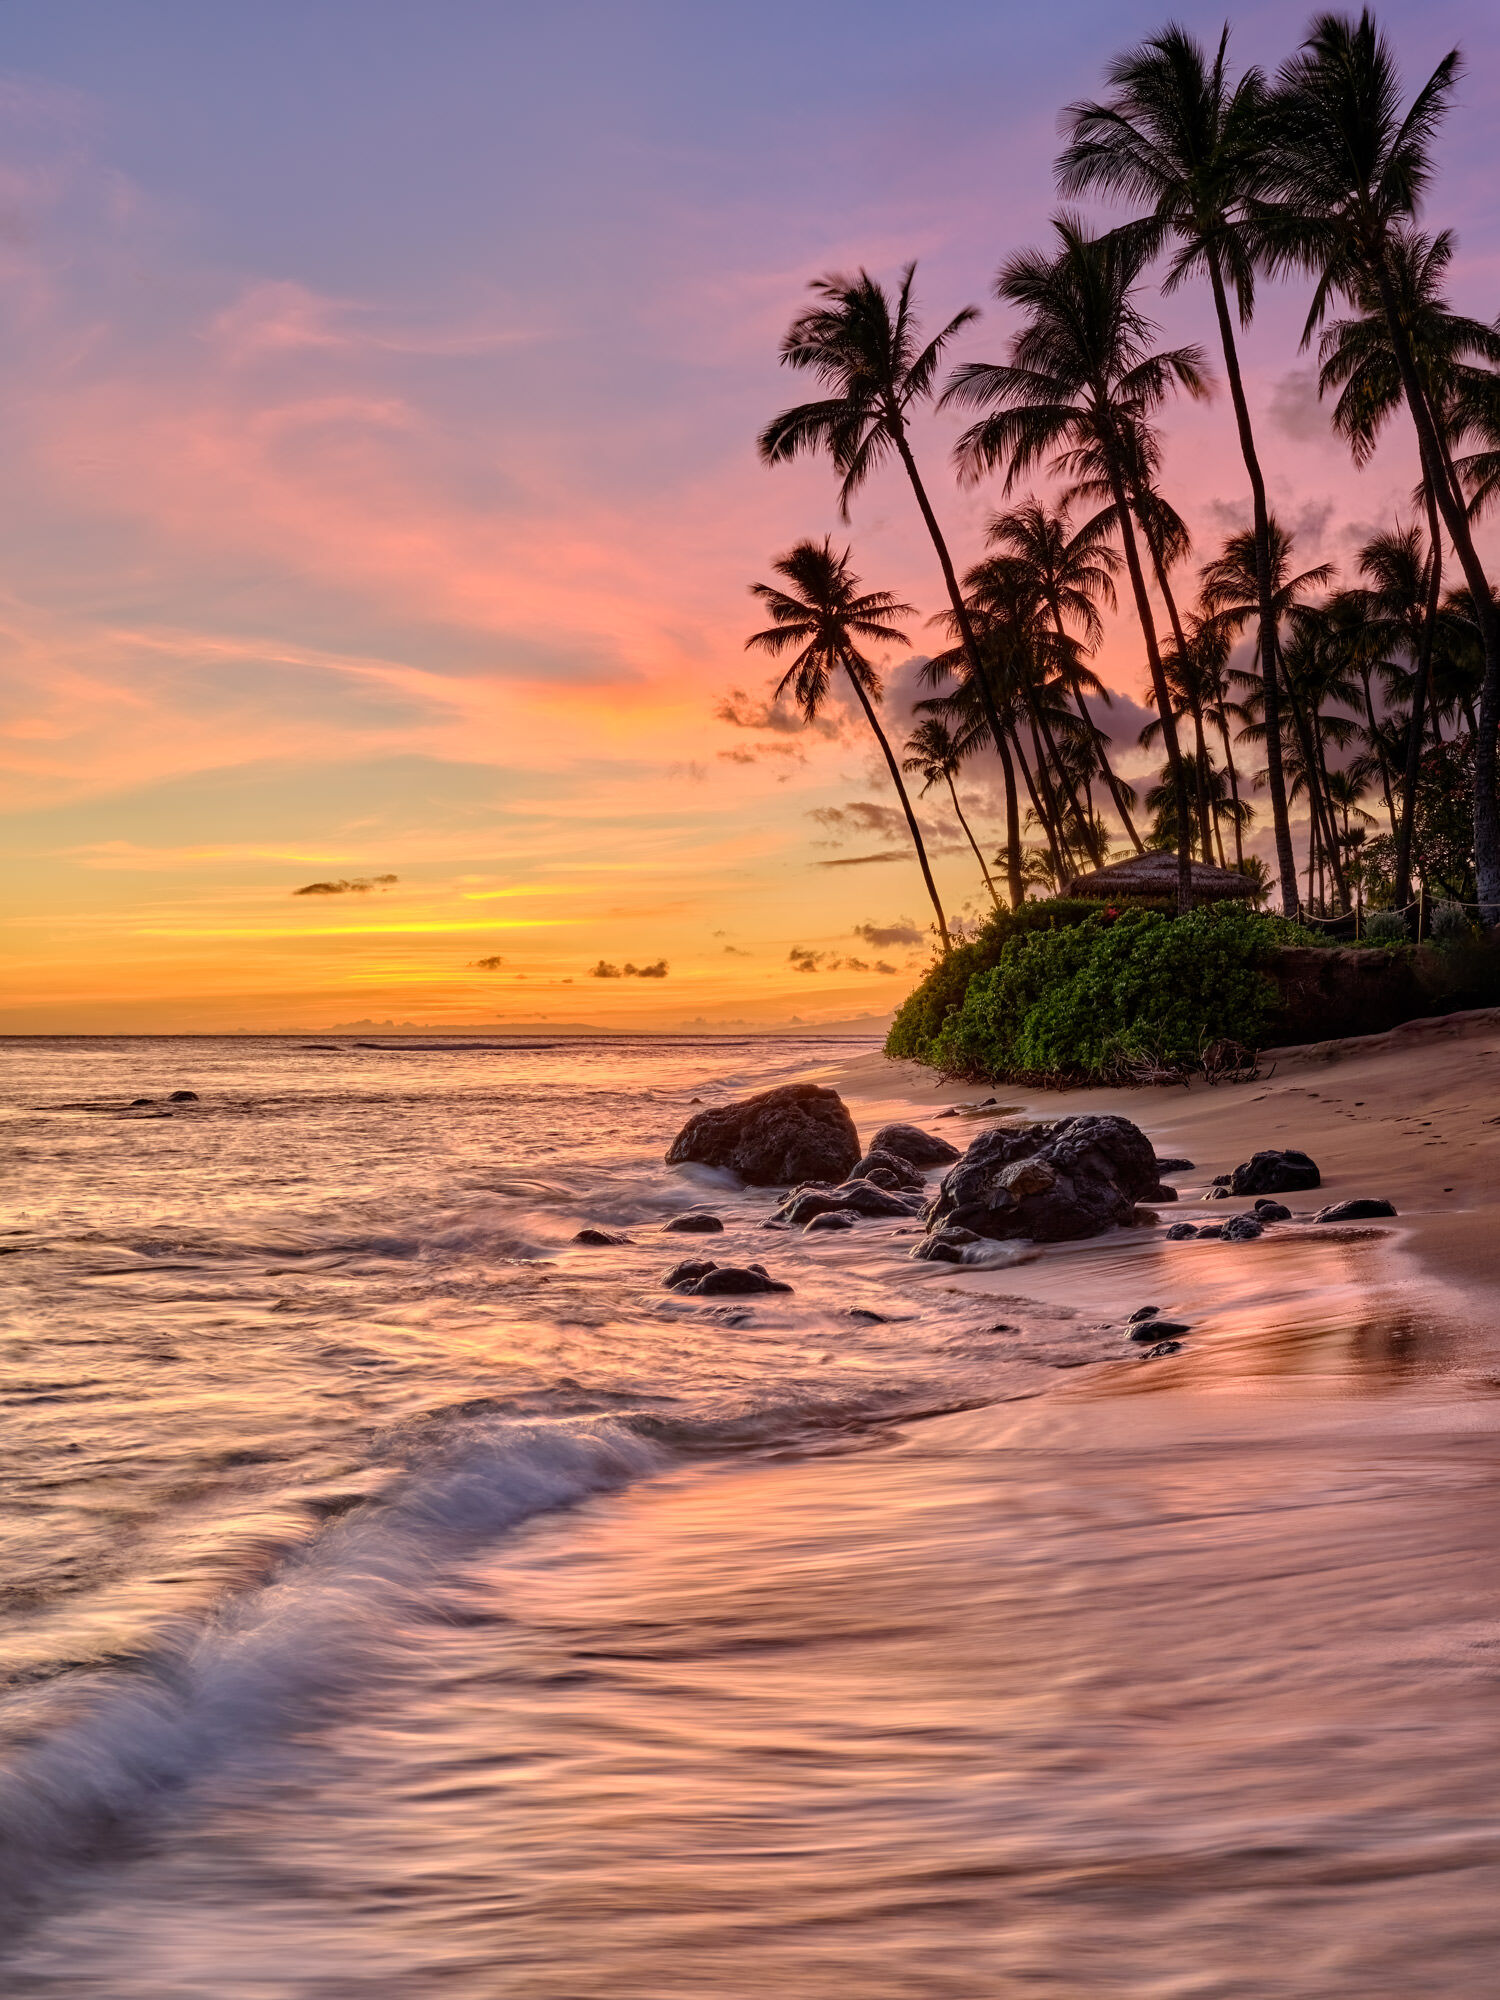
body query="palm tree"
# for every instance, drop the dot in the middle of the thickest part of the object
(1357, 357)
(936, 754)
(1344, 175)
(871, 361)
(1072, 573)
(1081, 382)
(1405, 575)
(1184, 142)
(823, 613)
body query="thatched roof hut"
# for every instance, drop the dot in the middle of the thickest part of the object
(1155, 874)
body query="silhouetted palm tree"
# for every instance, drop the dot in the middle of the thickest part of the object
(823, 612)
(1081, 382)
(1185, 142)
(1344, 175)
(871, 360)
(1073, 574)
(936, 754)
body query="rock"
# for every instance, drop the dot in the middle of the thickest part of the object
(1242, 1229)
(137, 1102)
(939, 1250)
(832, 1218)
(1080, 1175)
(799, 1132)
(1162, 1347)
(1360, 1210)
(599, 1239)
(1164, 1194)
(688, 1272)
(916, 1147)
(864, 1313)
(1210, 1229)
(887, 1170)
(694, 1225)
(864, 1198)
(802, 1204)
(1159, 1329)
(1272, 1211)
(1217, 1193)
(1180, 1232)
(1274, 1172)
(731, 1280)
(182, 1097)
(1141, 1313)
(1174, 1166)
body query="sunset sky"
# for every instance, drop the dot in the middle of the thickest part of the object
(379, 496)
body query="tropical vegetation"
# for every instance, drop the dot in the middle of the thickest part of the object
(1350, 720)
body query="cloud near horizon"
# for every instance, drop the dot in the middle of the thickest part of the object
(360, 885)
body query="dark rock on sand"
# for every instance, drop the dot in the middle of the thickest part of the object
(1174, 1166)
(1272, 1211)
(1360, 1210)
(1210, 1229)
(864, 1198)
(137, 1102)
(599, 1239)
(694, 1225)
(1163, 1347)
(912, 1144)
(799, 1132)
(731, 1279)
(1142, 1312)
(832, 1218)
(1180, 1232)
(182, 1097)
(887, 1170)
(1159, 1329)
(688, 1272)
(1050, 1182)
(1242, 1229)
(939, 1250)
(1274, 1172)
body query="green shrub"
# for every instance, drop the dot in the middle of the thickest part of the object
(1386, 927)
(1082, 1000)
(919, 1019)
(1449, 924)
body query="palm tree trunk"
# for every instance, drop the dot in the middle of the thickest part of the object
(1099, 749)
(1456, 520)
(971, 654)
(969, 831)
(1159, 683)
(1286, 860)
(1421, 695)
(1031, 792)
(1234, 783)
(1310, 762)
(911, 818)
(1382, 761)
(1200, 763)
(1058, 770)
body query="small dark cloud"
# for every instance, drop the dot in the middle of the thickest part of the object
(903, 931)
(739, 755)
(604, 970)
(746, 711)
(802, 960)
(881, 966)
(1295, 409)
(359, 885)
(692, 769)
(860, 816)
(735, 951)
(491, 964)
(863, 860)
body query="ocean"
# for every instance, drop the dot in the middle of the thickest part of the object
(398, 1598)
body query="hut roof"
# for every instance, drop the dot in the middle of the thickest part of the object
(1155, 874)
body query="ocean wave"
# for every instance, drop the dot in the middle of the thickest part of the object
(333, 1618)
